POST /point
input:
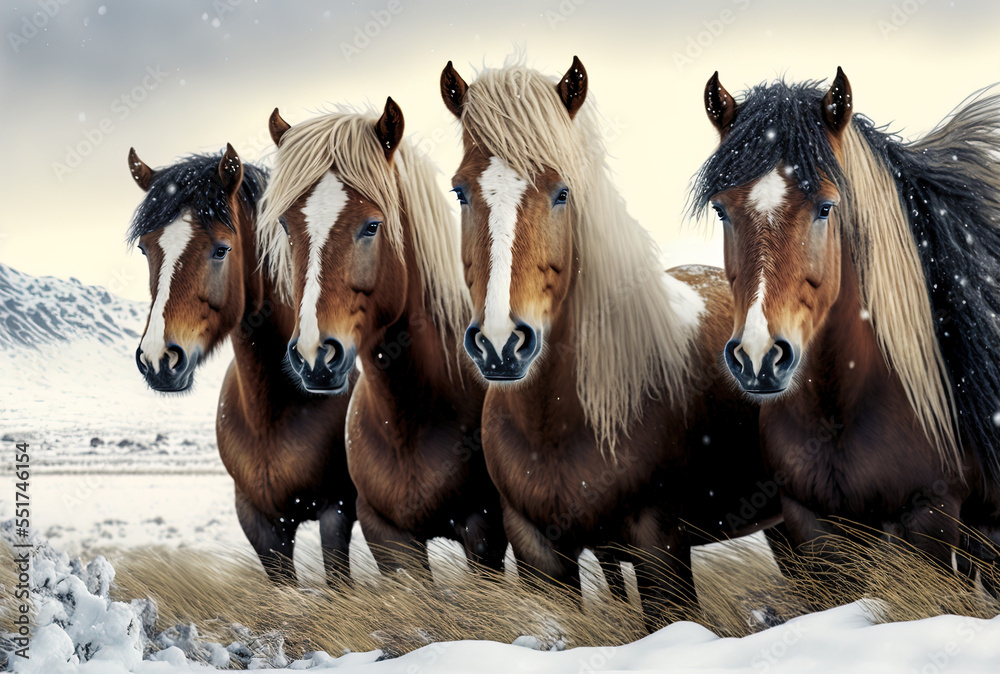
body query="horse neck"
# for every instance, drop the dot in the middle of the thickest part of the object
(846, 359)
(260, 338)
(411, 355)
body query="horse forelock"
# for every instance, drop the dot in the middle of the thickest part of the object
(192, 186)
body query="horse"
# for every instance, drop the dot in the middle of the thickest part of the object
(283, 447)
(866, 326)
(608, 422)
(375, 278)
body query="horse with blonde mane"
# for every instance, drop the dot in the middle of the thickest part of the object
(374, 273)
(283, 447)
(608, 423)
(864, 270)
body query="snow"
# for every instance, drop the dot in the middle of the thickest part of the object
(74, 382)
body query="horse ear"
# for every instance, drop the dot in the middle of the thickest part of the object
(453, 89)
(142, 174)
(277, 126)
(389, 128)
(719, 105)
(838, 103)
(231, 170)
(572, 87)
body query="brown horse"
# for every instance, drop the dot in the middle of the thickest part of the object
(608, 420)
(283, 447)
(376, 277)
(866, 308)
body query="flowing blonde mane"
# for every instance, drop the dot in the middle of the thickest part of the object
(630, 342)
(900, 310)
(405, 190)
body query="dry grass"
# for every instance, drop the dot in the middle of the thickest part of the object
(735, 580)
(8, 579)
(401, 612)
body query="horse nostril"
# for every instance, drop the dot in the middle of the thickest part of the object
(474, 343)
(143, 368)
(334, 354)
(177, 358)
(294, 357)
(528, 341)
(734, 350)
(784, 356)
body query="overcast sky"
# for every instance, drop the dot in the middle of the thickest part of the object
(176, 77)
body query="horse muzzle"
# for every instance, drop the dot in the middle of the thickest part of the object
(777, 367)
(511, 363)
(330, 371)
(173, 373)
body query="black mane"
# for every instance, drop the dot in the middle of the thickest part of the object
(193, 185)
(775, 123)
(948, 184)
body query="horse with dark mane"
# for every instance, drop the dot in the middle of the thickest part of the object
(283, 447)
(864, 270)
(375, 277)
(608, 423)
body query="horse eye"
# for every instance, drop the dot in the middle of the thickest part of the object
(562, 196)
(371, 229)
(824, 211)
(221, 252)
(721, 212)
(461, 196)
(142, 249)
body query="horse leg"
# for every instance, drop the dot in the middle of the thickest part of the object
(538, 561)
(335, 539)
(392, 548)
(779, 540)
(662, 567)
(933, 527)
(613, 573)
(817, 562)
(274, 542)
(484, 540)
(984, 546)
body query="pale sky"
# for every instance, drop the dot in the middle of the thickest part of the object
(184, 76)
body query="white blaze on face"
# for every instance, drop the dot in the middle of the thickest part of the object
(768, 195)
(756, 340)
(321, 211)
(502, 190)
(172, 242)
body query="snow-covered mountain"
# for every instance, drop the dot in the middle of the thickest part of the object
(71, 388)
(41, 310)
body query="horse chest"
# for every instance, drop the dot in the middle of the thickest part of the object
(293, 459)
(559, 476)
(415, 474)
(859, 466)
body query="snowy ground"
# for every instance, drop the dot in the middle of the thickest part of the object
(116, 466)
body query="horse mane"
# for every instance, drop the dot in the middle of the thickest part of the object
(922, 218)
(630, 341)
(345, 141)
(192, 184)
